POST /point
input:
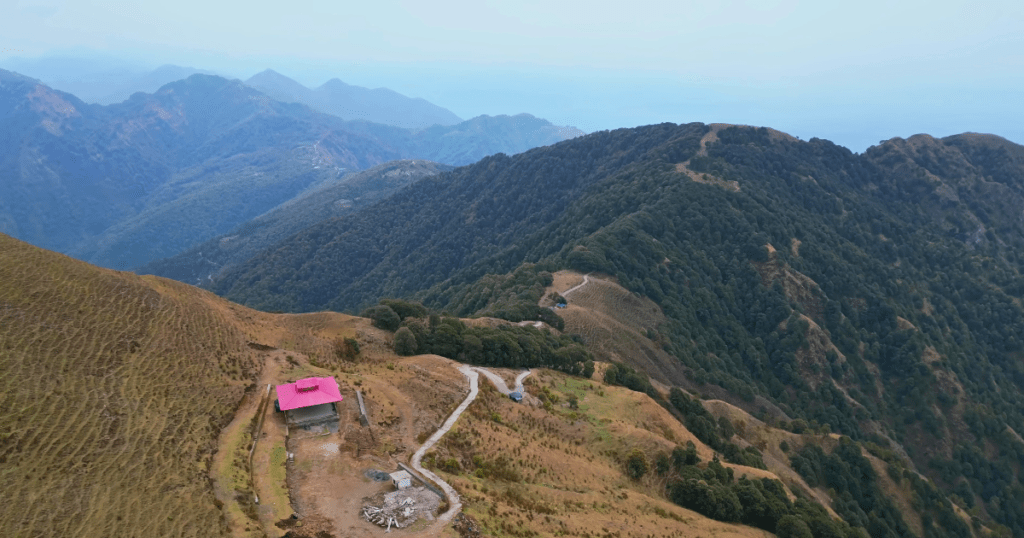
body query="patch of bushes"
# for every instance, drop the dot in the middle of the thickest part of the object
(714, 433)
(624, 376)
(383, 317)
(504, 346)
(713, 491)
(346, 349)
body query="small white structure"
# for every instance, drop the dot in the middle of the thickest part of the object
(401, 479)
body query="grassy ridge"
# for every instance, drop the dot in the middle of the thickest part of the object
(554, 471)
(114, 389)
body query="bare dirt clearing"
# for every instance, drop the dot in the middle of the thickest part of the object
(327, 483)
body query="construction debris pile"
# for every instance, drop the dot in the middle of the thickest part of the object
(466, 526)
(402, 508)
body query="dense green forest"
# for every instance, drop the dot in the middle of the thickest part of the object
(875, 295)
(418, 331)
(331, 198)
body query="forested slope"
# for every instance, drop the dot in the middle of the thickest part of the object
(877, 295)
(441, 224)
(343, 196)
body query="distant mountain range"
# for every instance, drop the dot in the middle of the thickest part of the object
(334, 97)
(125, 184)
(102, 82)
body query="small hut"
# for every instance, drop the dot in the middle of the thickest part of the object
(310, 401)
(401, 479)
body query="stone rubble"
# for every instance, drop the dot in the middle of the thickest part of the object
(402, 508)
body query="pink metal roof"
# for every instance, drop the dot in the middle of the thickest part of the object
(307, 392)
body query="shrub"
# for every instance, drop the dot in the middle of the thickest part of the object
(405, 342)
(637, 464)
(792, 527)
(383, 317)
(405, 309)
(345, 349)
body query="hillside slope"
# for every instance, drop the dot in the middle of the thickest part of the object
(343, 196)
(120, 389)
(115, 388)
(441, 224)
(831, 284)
(467, 142)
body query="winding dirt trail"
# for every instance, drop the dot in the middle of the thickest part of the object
(454, 502)
(586, 278)
(519, 381)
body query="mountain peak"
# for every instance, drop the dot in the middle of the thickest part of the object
(335, 84)
(279, 87)
(268, 75)
(197, 82)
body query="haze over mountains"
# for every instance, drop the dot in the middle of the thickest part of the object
(124, 184)
(99, 81)
(334, 97)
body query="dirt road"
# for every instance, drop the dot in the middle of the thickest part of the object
(499, 383)
(454, 503)
(586, 278)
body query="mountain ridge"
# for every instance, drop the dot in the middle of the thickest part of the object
(853, 291)
(379, 105)
(125, 184)
(331, 200)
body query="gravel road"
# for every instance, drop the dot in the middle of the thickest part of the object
(454, 502)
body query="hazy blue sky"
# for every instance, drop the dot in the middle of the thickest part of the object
(852, 72)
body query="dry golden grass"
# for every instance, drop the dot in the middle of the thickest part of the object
(709, 138)
(616, 325)
(708, 179)
(118, 390)
(114, 390)
(571, 464)
(751, 431)
(797, 286)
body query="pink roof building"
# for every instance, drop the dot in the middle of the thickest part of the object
(308, 392)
